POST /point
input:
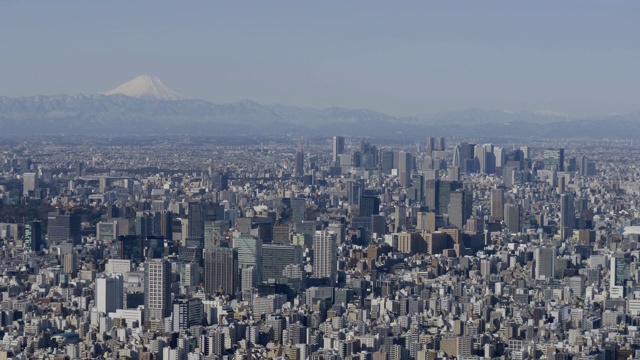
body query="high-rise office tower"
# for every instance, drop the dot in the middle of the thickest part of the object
(432, 194)
(190, 274)
(107, 231)
(490, 159)
(187, 313)
(567, 215)
(221, 271)
(29, 183)
(497, 205)
(386, 161)
(249, 281)
(109, 293)
(480, 159)
(157, 289)
(63, 227)
(130, 247)
(400, 217)
(324, 255)
(405, 166)
(33, 237)
(431, 145)
(195, 227)
(299, 164)
(417, 183)
(456, 156)
(512, 217)
(249, 253)
(460, 207)
(215, 233)
(166, 225)
(467, 154)
(500, 157)
(71, 263)
(554, 159)
(144, 224)
(440, 144)
(545, 262)
(445, 189)
(355, 190)
(298, 210)
(453, 173)
(356, 159)
(619, 273)
(369, 155)
(369, 205)
(338, 148)
(209, 241)
(276, 257)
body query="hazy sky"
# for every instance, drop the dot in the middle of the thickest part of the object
(402, 58)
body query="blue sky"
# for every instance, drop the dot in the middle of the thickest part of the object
(402, 58)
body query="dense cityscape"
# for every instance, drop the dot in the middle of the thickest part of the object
(291, 247)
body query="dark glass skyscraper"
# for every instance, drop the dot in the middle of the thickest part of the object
(554, 159)
(33, 238)
(369, 205)
(63, 227)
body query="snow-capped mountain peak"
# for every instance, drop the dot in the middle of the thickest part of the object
(146, 86)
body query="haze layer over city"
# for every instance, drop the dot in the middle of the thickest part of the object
(319, 180)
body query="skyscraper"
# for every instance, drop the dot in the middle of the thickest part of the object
(276, 257)
(33, 238)
(157, 289)
(554, 159)
(456, 156)
(249, 253)
(195, 227)
(619, 274)
(512, 217)
(430, 146)
(298, 210)
(338, 148)
(221, 271)
(354, 192)
(460, 207)
(386, 161)
(567, 215)
(432, 194)
(400, 217)
(417, 183)
(445, 189)
(63, 227)
(497, 205)
(405, 166)
(369, 205)
(186, 313)
(215, 233)
(299, 164)
(109, 293)
(29, 183)
(467, 153)
(545, 262)
(71, 263)
(324, 255)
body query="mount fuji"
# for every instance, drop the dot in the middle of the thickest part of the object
(145, 105)
(146, 87)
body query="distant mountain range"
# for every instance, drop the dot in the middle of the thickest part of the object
(147, 106)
